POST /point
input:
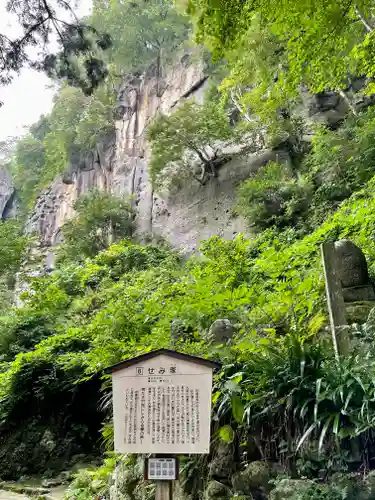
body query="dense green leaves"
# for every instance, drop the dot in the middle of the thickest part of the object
(75, 125)
(12, 246)
(110, 299)
(186, 143)
(294, 391)
(36, 23)
(303, 193)
(124, 301)
(274, 197)
(143, 32)
(100, 219)
(275, 48)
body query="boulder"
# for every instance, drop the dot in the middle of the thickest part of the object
(48, 441)
(221, 331)
(359, 312)
(289, 488)
(215, 489)
(351, 264)
(6, 192)
(221, 465)
(257, 475)
(52, 483)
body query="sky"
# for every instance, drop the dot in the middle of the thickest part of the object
(30, 93)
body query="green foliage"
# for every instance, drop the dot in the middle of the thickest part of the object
(46, 345)
(111, 299)
(249, 85)
(297, 396)
(82, 116)
(100, 219)
(340, 163)
(123, 301)
(80, 60)
(274, 197)
(88, 484)
(184, 143)
(26, 165)
(75, 125)
(339, 488)
(35, 23)
(12, 246)
(143, 32)
(315, 44)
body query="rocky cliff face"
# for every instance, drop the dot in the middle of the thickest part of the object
(7, 193)
(121, 166)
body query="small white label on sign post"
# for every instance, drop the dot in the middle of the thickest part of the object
(162, 405)
(162, 469)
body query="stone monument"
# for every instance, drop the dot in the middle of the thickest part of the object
(353, 272)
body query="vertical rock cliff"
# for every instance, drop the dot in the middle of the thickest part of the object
(120, 165)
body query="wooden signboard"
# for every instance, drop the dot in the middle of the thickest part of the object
(162, 404)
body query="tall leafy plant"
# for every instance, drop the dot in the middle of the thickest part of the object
(298, 397)
(101, 219)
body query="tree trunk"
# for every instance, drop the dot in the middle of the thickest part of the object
(346, 98)
(158, 72)
(365, 23)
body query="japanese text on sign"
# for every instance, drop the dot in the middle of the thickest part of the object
(162, 408)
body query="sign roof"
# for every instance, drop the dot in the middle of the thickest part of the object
(167, 352)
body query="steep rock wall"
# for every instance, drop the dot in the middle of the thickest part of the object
(7, 205)
(121, 166)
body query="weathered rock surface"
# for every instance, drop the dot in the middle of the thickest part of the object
(7, 495)
(215, 489)
(288, 488)
(120, 165)
(221, 331)
(256, 476)
(353, 272)
(222, 464)
(7, 193)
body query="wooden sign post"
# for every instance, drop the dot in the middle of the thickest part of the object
(162, 406)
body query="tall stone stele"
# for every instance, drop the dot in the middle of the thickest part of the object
(353, 272)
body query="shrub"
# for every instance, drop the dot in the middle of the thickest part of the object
(100, 220)
(274, 196)
(295, 395)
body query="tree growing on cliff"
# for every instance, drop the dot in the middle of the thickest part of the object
(101, 219)
(142, 31)
(75, 125)
(315, 45)
(187, 142)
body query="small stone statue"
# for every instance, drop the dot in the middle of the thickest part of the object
(221, 331)
(353, 272)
